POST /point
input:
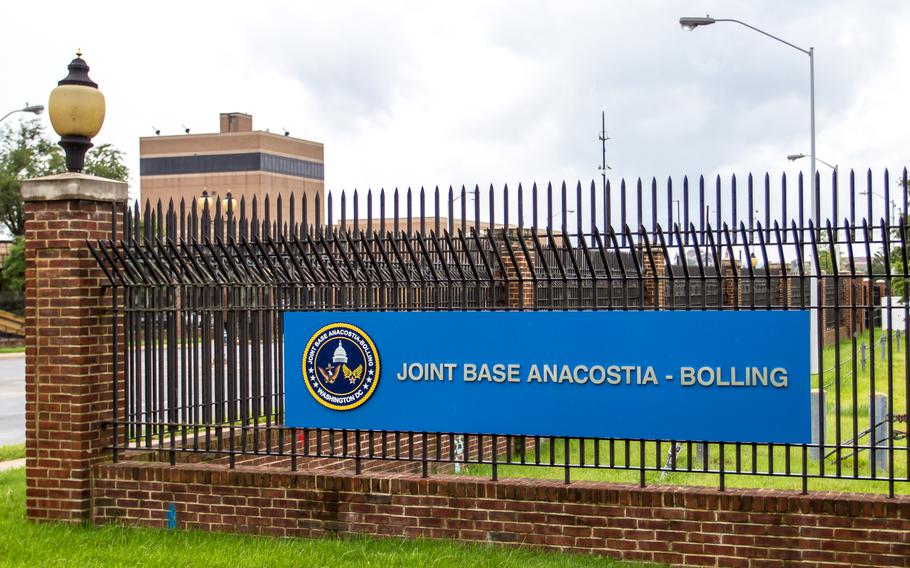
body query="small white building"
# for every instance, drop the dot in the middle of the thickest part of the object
(898, 310)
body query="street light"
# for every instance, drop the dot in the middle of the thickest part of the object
(558, 213)
(470, 195)
(690, 24)
(894, 206)
(228, 203)
(209, 201)
(76, 108)
(34, 109)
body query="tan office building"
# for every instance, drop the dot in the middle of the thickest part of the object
(239, 160)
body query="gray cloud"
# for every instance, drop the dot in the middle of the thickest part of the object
(413, 94)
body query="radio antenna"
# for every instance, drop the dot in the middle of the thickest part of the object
(603, 167)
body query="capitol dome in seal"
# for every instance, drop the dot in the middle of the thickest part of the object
(340, 355)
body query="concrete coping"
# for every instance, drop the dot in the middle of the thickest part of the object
(74, 186)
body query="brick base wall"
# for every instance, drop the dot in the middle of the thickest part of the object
(699, 527)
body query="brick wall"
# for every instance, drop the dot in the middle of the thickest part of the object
(701, 527)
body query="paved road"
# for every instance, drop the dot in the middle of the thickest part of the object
(12, 400)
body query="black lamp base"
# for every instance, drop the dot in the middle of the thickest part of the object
(75, 148)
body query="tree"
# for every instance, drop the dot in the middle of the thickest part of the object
(896, 260)
(825, 262)
(107, 162)
(27, 152)
(24, 153)
(12, 278)
(899, 286)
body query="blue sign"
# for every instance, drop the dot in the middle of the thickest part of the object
(732, 376)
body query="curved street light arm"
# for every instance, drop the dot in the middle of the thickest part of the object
(834, 167)
(794, 157)
(34, 109)
(785, 42)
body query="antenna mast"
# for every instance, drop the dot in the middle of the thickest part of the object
(603, 167)
(603, 148)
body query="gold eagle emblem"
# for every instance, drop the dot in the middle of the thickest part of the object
(329, 376)
(354, 375)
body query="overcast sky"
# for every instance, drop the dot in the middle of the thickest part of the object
(426, 93)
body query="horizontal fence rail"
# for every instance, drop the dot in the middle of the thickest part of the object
(199, 289)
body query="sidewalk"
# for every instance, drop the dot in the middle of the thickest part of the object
(12, 464)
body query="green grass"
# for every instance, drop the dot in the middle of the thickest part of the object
(12, 452)
(679, 478)
(12, 349)
(27, 544)
(842, 395)
(763, 456)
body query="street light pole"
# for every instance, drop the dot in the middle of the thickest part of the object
(689, 24)
(816, 217)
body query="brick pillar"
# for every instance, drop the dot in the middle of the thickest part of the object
(778, 290)
(846, 313)
(824, 300)
(732, 292)
(68, 340)
(856, 297)
(655, 295)
(521, 292)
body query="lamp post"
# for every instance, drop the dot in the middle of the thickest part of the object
(206, 202)
(209, 200)
(34, 109)
(76, 108)
(689, 24)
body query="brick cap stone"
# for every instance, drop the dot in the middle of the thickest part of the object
(74, 186)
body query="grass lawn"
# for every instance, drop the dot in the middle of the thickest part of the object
(13, 349)
(841, 391)
(26, 544)
(12, 452)
(680, 478)
(764, 456)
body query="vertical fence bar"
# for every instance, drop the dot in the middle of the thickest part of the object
(115, 316)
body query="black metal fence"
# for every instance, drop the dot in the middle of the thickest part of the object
(198, 291)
